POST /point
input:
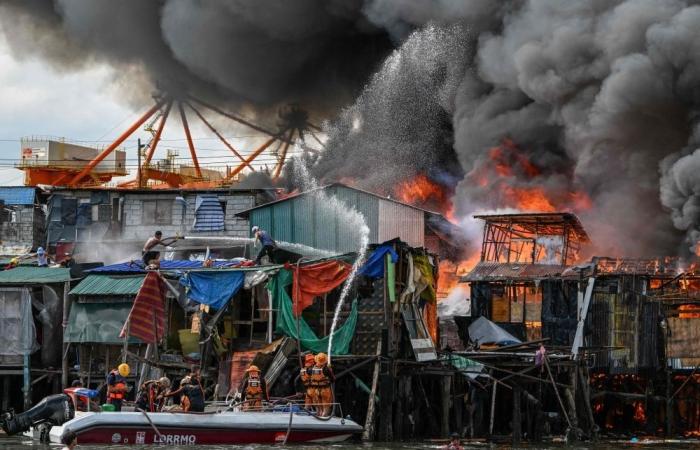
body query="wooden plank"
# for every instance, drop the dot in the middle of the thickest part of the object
(578, 339)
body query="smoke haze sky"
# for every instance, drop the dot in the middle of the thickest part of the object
(600, 98)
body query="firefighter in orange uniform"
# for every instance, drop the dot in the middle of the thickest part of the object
(321, 379)
(255, 390)
(116, 386)
(309, 362)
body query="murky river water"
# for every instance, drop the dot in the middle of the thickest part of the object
(15, 443)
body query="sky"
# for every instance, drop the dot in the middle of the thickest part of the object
(84, 107)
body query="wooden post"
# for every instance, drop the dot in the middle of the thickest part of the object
(66, 312)
(493, 407)
(27, 377)
(445, 403)
(369, 420)
(5, 401)
(517, 420)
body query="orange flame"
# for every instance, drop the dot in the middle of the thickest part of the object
(423, 192)
(508, 164)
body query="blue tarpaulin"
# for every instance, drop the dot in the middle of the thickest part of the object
(178, 264)
(17, 195)
(209, 216)
(212, 288)
(374, 266)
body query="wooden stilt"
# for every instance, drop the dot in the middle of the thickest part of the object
(445, 403)
(368, 434)
(493, 407)
(517, 420)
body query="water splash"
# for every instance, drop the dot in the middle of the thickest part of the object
(353, 223)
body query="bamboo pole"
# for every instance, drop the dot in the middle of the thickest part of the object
(369, 420)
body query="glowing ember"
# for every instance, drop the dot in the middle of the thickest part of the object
(688, 312)
(639, 414)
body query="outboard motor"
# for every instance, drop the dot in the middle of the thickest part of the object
(52, 410)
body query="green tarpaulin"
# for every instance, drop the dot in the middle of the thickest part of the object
(287, 323)
(97, 323)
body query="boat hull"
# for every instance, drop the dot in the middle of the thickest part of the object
(128, 428)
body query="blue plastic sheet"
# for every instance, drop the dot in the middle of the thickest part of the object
(209, 216)
(374, 266)
(212, 288)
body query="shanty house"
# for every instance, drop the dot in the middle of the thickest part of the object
(517, 283)
(31, 340)
(323, 218)
(21, 220)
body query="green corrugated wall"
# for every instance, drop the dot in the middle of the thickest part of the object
(302, 220)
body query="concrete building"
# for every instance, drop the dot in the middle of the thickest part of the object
(22, 220)
(112, 225)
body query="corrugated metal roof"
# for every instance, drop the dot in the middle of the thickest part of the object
(493, 271)
(34, 275)
(246, 212)
(17, 195)
(108, 285)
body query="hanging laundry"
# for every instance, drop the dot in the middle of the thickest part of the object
(287, 322)
(212, 288)
(316, 279)
(374, 266)
(146, 319)
(208, 214)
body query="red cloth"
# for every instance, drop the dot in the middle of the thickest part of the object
(314, 280)
(148, 312)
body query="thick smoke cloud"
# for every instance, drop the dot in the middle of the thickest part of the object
(240, 53)
(591, 96)
(590, 105)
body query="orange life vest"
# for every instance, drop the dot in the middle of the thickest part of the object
(116, 391)
(253, 390)
(319, 379)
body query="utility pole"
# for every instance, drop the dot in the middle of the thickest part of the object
(138, 170)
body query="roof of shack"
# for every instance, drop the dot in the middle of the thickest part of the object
(664, 267)
(246, 212)
(493, 271)
(35, 275)
(109, 285)
(137, 266)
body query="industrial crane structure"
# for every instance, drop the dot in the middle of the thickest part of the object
(100, 167)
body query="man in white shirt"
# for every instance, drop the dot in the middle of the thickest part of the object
(148, 253)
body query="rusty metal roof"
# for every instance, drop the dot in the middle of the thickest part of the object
(665, 267)
(493, 271)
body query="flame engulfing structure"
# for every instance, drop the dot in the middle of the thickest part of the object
(588, 106)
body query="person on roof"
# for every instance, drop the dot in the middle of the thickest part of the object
(268, 244)
(42, 259)
(255, 390)
(148, 254)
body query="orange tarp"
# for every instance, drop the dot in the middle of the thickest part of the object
(314, 280)
(146, 319)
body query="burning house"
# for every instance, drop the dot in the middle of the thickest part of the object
(517, 282)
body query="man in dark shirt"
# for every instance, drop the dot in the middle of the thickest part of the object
(268, 244)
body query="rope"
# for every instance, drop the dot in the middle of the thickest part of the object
(289, 427)
(150, 422)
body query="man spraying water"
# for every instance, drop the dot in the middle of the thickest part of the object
(268, 244)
